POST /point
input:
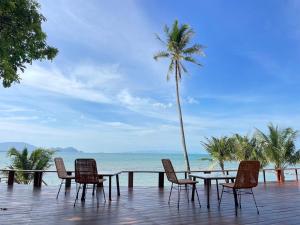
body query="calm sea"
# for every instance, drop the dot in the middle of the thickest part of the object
(135, 161)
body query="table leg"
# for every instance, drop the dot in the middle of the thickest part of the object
(207, 192)
(109, 189)
(118, 184)
(193, 190)
(217, 183)
(83, 193)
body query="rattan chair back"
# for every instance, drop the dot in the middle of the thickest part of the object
(247, 175)
(86, 171)
(169, 170)
(60, 168)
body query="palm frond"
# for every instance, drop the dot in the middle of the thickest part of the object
(192, 60)
(195, 49)
(171, 69)
(161, 40)
(161, 54)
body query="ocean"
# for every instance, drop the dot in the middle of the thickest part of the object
(136, 161)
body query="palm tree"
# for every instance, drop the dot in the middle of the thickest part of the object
(220, 150)
(248, 148)
(39, 159)
(177, 49)
(279, 147)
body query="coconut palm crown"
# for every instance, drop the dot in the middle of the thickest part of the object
(249, 148)
(178, 49)
(39, 159)
(279, 146)
(220, 150)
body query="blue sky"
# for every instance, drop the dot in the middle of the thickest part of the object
(105, 93)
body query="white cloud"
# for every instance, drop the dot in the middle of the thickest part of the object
(82, 82)
(191, 100)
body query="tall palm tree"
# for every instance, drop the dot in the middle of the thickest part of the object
(39, 159)
(248, 148)
(178, 49)
(279, 146)
(220, 150)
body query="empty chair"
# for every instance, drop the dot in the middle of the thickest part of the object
(246, 179)
(61, 172)
(172, 177)
(86, 173)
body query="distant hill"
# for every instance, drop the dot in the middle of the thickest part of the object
(5, 146)
(67, 149)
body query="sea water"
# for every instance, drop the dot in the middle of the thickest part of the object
(137, 162)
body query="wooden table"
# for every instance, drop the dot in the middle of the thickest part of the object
(109, 175)
(207, 180)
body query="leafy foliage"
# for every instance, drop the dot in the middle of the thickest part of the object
(22, 39)
(177, 49)
(249, 148)
(279, 146)
(39, 159)
(220, 149)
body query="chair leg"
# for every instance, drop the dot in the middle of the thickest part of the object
(170, 193)
(179, 189)
(97, 195)
(240, 199)
(77, 194)
(94, 185)
(235, 200)
(197, 194)
(103, 194)
(59, 188)
(187, 192)
(221, 196)
(254, 201)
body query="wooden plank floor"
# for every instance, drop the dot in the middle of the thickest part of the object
(278, 204)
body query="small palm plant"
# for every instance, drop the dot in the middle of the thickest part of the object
(279, 147)
(248, 148)
(177, 49)
(220, 150)
(39, 159)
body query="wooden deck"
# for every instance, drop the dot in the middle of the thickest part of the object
(278, 204)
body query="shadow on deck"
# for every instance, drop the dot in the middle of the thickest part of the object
(278, 204)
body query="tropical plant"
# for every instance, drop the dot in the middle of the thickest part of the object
(279, 146)
(220, 150)
(178, 49)
(39, 159)
(248, 148)
(22, 39)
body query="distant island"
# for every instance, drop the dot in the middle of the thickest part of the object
(5, 146)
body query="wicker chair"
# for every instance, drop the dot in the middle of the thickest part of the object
(61, 172)
(86, 173)
(246, 179)
(172, 177)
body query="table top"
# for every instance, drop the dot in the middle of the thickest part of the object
(212, 176)
(109, 173)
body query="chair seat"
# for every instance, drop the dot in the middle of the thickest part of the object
(69, 177)
(186, 181)
(228, 185)
(98, 182)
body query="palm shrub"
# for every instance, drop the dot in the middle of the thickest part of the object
(39, 159)
(248, 148)
(279, 147)
(178, 49)
(220, 150)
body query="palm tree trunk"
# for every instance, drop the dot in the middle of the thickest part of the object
(181, 121)
(221, 163)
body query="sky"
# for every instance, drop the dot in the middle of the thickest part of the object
(105, 93)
